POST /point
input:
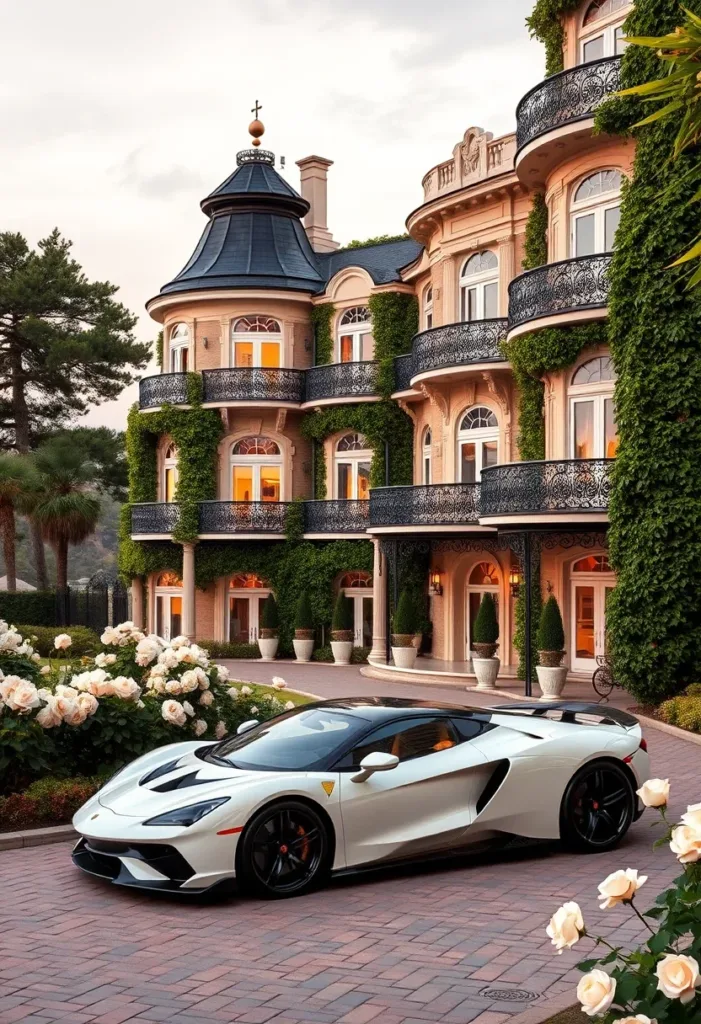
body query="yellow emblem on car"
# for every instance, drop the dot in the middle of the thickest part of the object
(328, 787)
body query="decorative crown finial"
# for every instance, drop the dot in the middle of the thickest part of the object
(256, 128)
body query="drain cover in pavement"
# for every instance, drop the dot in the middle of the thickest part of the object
(508, 995)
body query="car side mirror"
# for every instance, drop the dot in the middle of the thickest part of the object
(376, 762)
(245, 726)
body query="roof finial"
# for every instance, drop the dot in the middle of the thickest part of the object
(256, 128)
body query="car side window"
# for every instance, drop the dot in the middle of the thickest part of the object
(414, 737)
(468, 728)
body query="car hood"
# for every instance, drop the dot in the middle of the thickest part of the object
(190, 781)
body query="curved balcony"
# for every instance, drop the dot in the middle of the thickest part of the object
(155, 517)
(444, 351)
(163, 389)
(278, 385)
(430, 506)
(236, 517)
(555, 119)
(559, 293)
(571, 489)
(336, 516)
(339, 382)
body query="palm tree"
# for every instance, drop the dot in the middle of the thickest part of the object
(17, 480)
(62, 508)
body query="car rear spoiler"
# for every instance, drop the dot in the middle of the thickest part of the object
(570, 709)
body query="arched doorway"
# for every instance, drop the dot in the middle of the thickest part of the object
(358, 587)
(169, 605)
(484, 578)
(246, 594)
(593, 581)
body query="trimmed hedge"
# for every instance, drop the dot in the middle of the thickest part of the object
(359, 655)
(85, 641)
(46, 802)
(35, 606)
(219, 649)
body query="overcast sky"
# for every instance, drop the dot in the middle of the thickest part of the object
(117, 118)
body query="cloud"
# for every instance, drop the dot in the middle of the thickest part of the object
(157, 184)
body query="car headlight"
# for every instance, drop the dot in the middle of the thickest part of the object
(188, 815)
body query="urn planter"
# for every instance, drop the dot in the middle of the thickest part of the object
(342, 646)
(551, 680)
(404, 650)
(303, 648)
(486, 671)
(268, 646)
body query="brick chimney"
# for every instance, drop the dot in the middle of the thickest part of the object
(313, 170)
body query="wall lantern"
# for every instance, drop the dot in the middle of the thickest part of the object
(435, 587)
(515, 581)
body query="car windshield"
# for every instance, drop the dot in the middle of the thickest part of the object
(303, 740)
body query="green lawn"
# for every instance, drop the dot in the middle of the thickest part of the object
(270, 691)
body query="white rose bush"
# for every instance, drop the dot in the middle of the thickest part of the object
(86, 717)
(660, 982)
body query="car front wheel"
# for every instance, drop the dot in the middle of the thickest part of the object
(597, 808)
(285, 851)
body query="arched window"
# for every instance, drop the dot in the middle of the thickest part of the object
(256, 470)
(595, 212)
(358, 586)
(592, 563)
(602, 29)
(246, 581)
(479, 287)
(169, 579)
(168, 617)
(426, 457)
(593, 432)
(478, 443)
(428, 308)
(179, 349)
(352, 467)
(355, 581)
(484, 574)
(355, 340)
(256, 341)
(483, 579)
(170, 473)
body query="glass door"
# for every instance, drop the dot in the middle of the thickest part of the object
(589, 599)
(593, 428)
(169, 615)
(244, 610)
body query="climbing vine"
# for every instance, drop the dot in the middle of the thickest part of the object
(545, 23)
(536, 241)
(322, 323)
(377, 240)
(395, 321)
(653, 620)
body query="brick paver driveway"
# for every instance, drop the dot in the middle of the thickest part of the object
(457, 942)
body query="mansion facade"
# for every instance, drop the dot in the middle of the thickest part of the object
(283, 339)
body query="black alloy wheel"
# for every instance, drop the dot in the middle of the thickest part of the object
(597, 808)
(285, 851)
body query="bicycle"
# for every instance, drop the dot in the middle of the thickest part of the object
(603, 680)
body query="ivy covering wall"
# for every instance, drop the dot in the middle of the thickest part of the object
(546, 25)
(536, 240)
(654, 614)
(322, 323)
(395, 321)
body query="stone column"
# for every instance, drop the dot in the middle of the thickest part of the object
(379, 604)
(189, 591)
(137, 602)
(449, 308)
(507, 271)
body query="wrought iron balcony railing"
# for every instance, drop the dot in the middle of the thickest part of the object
(155, 517)
(163, 388)
(243, 516)
(527, 488)
(460, 344)
(337, 516)
(571, 95)
(403, 372)
(425, 505)
(253, 384)
(341, 380)
(565, 287)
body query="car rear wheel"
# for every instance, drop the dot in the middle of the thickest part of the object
(597, 808)
(285, 851)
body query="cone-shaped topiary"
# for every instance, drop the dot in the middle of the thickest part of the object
(405, 622)
(551, 633)
(342, 623)
(269, 618)
(304, 620)
(486, 628)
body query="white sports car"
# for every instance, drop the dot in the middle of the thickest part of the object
(345, 784)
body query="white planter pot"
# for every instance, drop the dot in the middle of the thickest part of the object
(342, 650)
(551, 681)
(404, 657)
(486, 671)
(303, 649)
(268, 648)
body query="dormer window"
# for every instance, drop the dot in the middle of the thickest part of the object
(180, 349)
(428, 308)
(602, 29)
(595, 211)
(256, 341)
(479, 287)
(355, 341)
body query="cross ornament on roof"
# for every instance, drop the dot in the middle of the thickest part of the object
(257, 107)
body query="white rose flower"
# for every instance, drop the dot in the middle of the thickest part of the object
(596, 992)
(168, 658)
(639, 1018)
(222, 673)
(173, 712)
(254, 709)
(158, 670)
(566, 926)
(654, 792)
(188, 708)
(45, 670)
(19, 694)
(146, 652)
(44, 693)
(220, 730)
(233, 692)
(10, 640)
(36, 658)
(156, 685)
(103, 660)
(204, 682)
(279, 683)
(189, 681)
(207, 698)
(110, 637)
(620, 887)
(692, 817)
(49, 716)
(174, 686)
(74, 714)
(87, 703)
(62, 642)
(179, 641)
(678, 977)
(246, 691)
(200, 727)
(65, 691)
(289, 706)
(127, 689)
(686, 844)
